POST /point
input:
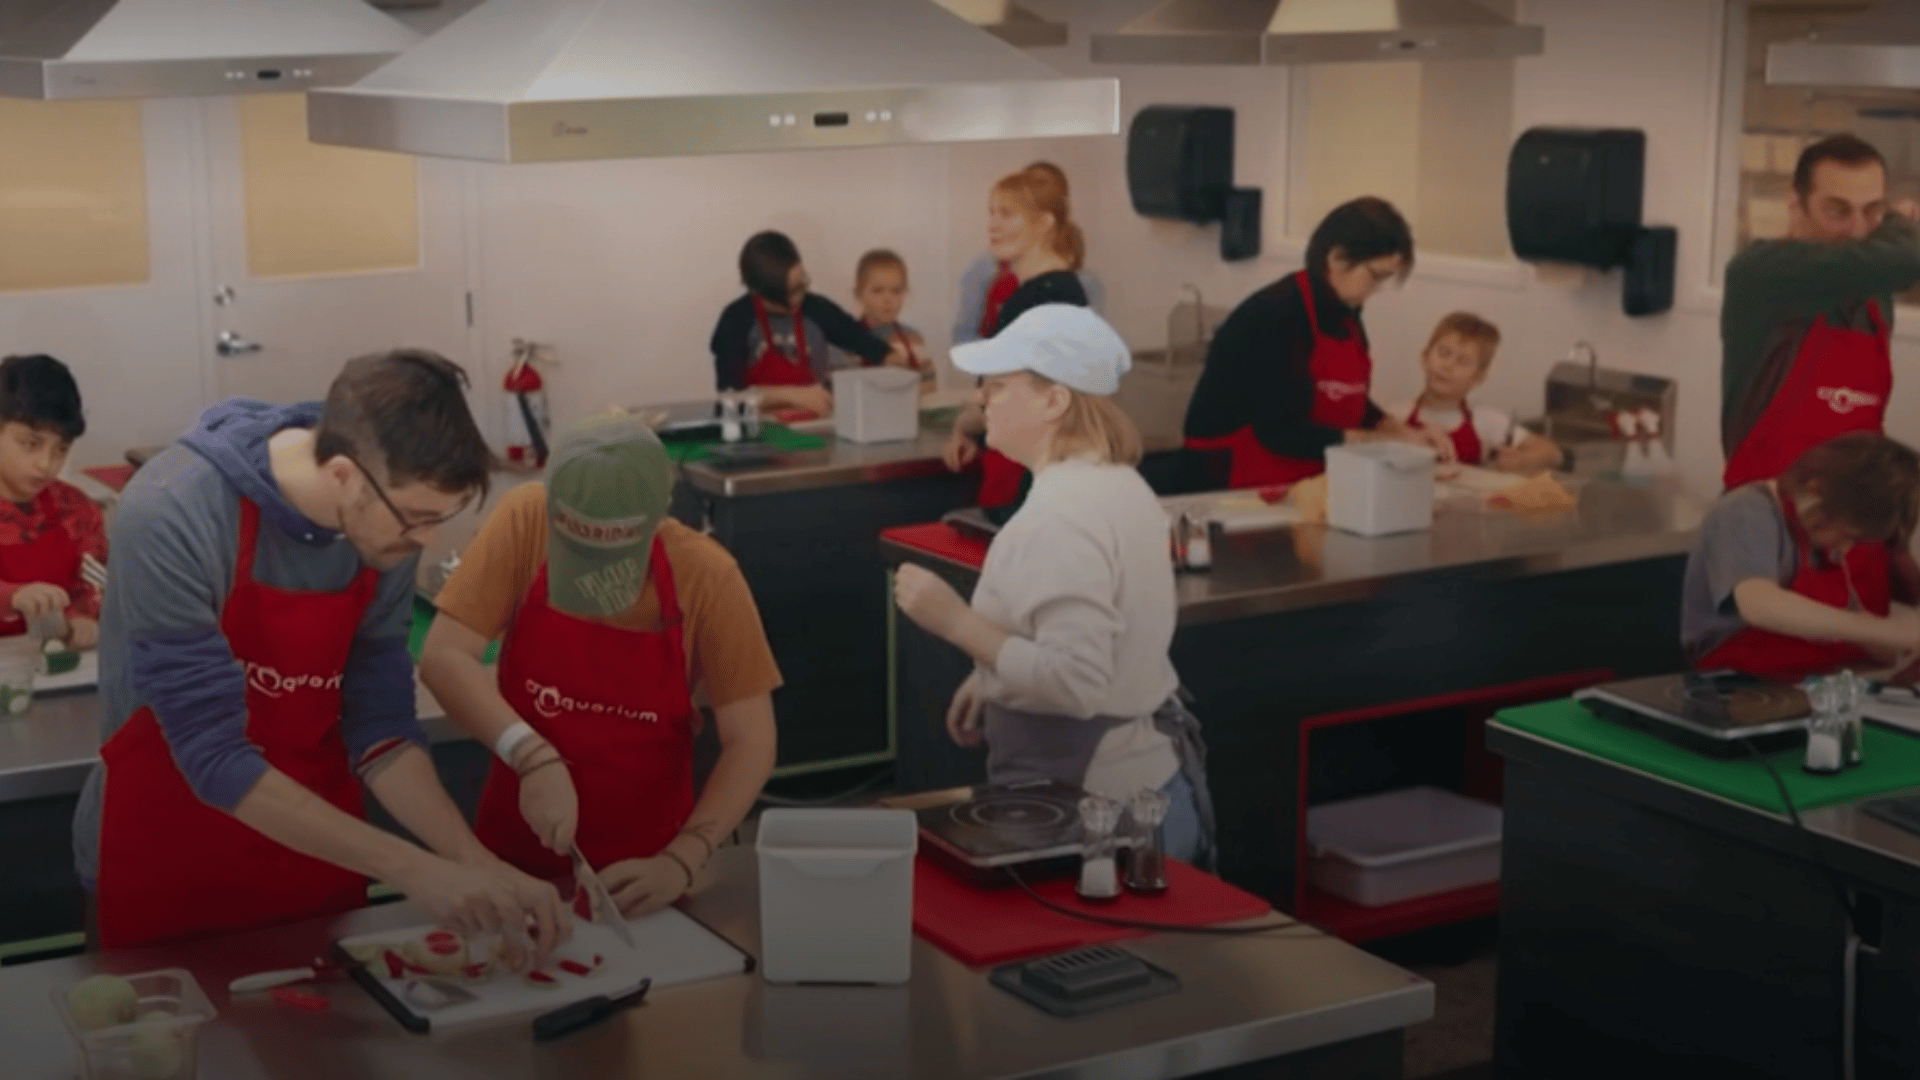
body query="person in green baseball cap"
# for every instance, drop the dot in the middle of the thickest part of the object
(614, 619)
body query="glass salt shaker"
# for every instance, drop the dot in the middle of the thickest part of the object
(729, 418)
(1099, 871)
(1825, 728)
(1146, 862)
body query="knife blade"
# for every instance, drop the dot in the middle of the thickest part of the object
(599, 899)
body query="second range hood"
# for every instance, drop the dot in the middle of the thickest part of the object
(1879, 49)
(57, 50)
(1274, 32)
(581, 80)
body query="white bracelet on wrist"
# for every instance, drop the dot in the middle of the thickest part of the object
(510, 740)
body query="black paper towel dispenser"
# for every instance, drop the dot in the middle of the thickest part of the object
(1573, 195)
(1180, 162)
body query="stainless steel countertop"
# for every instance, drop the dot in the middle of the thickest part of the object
(1244, 999)
(1306, 566)
(841, 462)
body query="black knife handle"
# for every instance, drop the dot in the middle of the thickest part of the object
(571, 1018)
(582, 1014)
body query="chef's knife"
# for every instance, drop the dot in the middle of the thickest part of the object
(582, 1014)
(599, 899)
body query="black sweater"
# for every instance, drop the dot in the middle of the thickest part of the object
(738, 332)
(1258, 372)
(1052, 287)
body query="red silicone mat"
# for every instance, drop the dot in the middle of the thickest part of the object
(941, 540)
(982, 927)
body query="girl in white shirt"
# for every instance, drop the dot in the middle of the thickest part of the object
(1073, 615)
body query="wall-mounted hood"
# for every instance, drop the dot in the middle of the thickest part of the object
(67, 49)
(1009, 22)
(1879, 48)
(1273, 32)
(579, 80)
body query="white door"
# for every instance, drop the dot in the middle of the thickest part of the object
(99, 264)
(320, 254)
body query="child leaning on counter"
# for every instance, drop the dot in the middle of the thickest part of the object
(1455, 363)
(46, 525)
(1809, 573)
(880, 289)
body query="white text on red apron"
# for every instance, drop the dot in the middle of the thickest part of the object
(550, 702)
(273, 684)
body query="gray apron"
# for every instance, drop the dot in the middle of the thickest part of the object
(1027, 747)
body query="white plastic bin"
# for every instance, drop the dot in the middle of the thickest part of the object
(161, 1044)
(1394, 846)
(1378, 488)
(836, 895)
(879, 404)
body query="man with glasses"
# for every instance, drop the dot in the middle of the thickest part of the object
(1807, 322)
(254, 672)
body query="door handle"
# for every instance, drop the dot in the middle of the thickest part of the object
(232, 344)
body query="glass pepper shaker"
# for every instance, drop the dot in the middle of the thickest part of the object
(1852, 691)
(1146, 862)
(1099, 869)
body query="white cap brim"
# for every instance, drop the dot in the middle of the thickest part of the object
(1067, 343)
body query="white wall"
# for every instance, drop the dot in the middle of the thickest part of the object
(624, 265)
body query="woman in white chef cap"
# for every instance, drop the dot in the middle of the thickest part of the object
(1071, 620)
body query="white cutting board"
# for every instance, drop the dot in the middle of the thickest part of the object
(668, 947)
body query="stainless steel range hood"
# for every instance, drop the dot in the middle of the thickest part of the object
(1009, 22)
(67, 49)
(1273, 32)
(580, 80)
(1880, 48)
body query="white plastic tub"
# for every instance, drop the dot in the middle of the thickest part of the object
(161, 1044)
(880, 404)
(836, 895)
(1397, 845)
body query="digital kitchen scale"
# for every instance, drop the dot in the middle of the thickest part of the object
(1033, 828)
(1717, 713)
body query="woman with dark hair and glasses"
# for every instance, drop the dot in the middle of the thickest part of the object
(1289, 375)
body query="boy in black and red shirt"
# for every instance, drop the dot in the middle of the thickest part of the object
(46, 525)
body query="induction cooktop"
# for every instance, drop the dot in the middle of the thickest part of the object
(1718, 713)
(1033, 828)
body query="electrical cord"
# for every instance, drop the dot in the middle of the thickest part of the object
(1849, 989)
(1265, 929)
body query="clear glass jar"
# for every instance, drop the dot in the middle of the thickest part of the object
(1147, 860)
(1099, 864)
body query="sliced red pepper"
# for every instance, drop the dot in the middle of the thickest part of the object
(574, 967)
(442, 943)
(396, 967)
(305, 1002)
(475, 971)
(541, 978)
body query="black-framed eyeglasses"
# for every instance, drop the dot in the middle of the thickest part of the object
(407, 528)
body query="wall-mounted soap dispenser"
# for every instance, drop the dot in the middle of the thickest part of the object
(1180, 168)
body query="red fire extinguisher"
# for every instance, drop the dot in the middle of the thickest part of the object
(528, 422)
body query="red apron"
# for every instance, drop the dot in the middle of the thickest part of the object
(1466, 441)
(52, 558)
(773, 367)
(173, 867)
(615, 703)
(894, 336)
(1863, 577)
(999, 291)
(1342, 375)
(1839, 382)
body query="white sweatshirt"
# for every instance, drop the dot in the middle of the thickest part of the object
(1082, 577)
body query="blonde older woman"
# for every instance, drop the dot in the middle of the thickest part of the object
(1073, 615)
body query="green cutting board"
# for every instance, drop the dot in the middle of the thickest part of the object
(1890, 760)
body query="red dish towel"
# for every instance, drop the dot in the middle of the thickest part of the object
(983, 927)
(112, 476)
(941, 540)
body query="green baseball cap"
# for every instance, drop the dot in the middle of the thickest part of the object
(608, 490)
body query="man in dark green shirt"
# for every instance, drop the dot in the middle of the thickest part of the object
(1807, 321)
